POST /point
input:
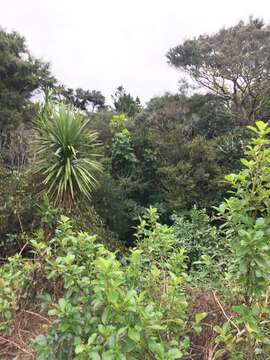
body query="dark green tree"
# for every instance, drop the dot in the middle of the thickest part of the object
(195, 142)
(21, 77)
(125, 103)
(234, 64)
(88, 100)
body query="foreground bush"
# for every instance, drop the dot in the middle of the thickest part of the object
(196, 235)
(105, 308)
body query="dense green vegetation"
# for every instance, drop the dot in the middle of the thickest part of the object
(131, 231)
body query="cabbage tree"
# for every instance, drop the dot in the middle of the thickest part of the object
(67, 157)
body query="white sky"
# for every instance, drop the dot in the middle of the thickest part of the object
(102, 44)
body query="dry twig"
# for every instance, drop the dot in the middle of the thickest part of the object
(38, 315)
(16, 345)
(224, 313)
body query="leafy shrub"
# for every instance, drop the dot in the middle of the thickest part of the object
(246, 217)
(16, 210)
(123, 159)
(107, 311)
(13, 285)
(196, 235)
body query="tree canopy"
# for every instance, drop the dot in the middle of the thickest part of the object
(21, 76)
(89, 100)
(125, 103)
(234, 64)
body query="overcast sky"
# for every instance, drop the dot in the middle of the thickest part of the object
(105, 43)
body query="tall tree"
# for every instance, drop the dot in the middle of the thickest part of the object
(88, 100)
(21, 76)
(194, 142)
(125, 103)
(234, 64)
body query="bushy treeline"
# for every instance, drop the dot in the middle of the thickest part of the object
(171, 153)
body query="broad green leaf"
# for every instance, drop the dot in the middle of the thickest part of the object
(79, 348)
(134, 334)
(200, 316)
(175, 353)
